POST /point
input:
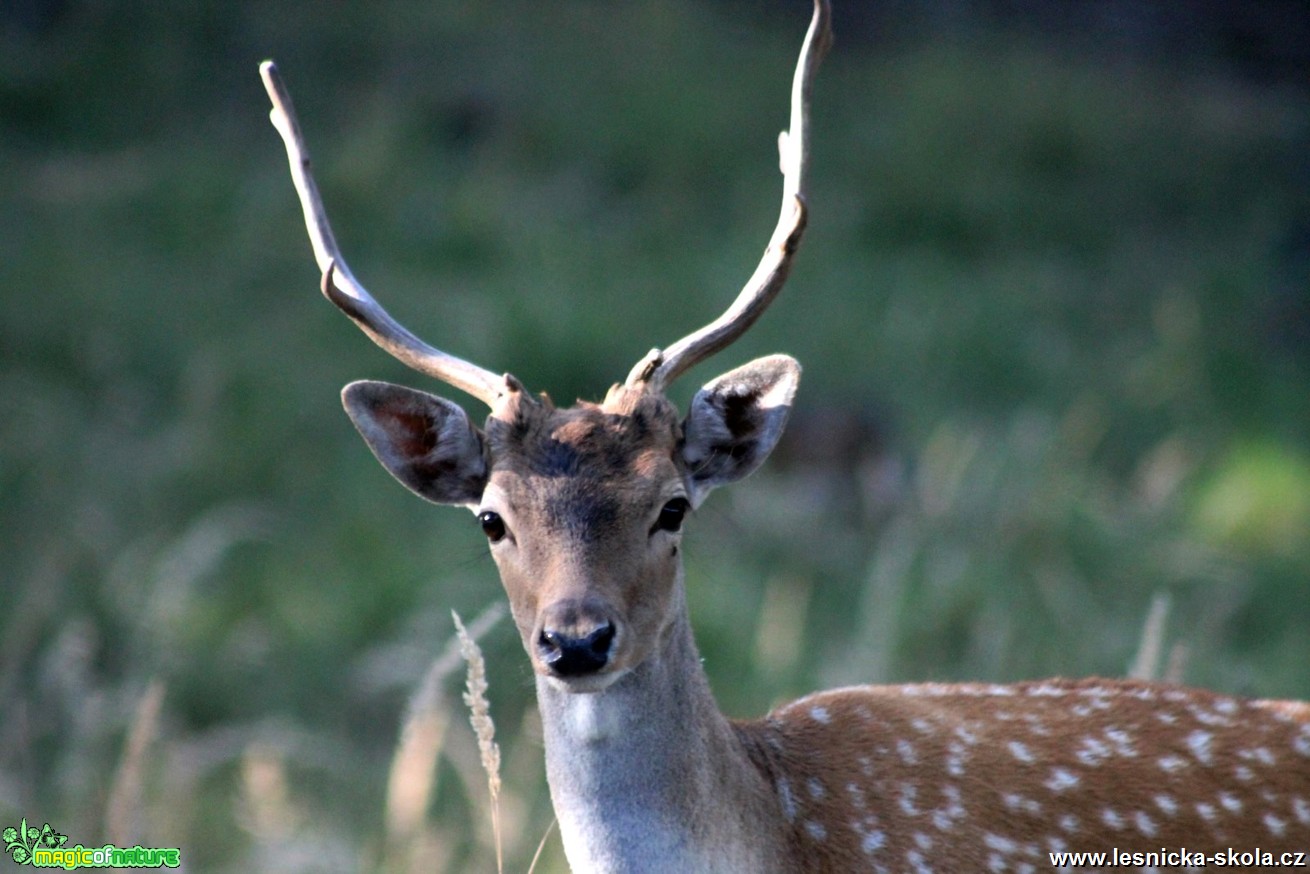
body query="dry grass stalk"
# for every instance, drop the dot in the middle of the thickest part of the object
(412, 781)
(123, 811)
(542, 846)
(475, 697)
(267, 809)
(1150, 649)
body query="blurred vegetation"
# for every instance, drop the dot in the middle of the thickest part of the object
(1054, 308)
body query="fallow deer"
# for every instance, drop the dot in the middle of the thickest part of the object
(583, 510)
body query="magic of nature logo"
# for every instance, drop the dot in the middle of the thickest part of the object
(45, 848)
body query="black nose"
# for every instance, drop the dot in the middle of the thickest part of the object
(568, 655)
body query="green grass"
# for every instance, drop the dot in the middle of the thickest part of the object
(1062, 291)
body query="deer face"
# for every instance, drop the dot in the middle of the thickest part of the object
(582, 507)
(583, 512)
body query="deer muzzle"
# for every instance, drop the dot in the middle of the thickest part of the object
(574, 639)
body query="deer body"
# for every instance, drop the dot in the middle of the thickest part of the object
(583, 510)
(996, 777)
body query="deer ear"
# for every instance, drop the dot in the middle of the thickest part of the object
(735, 421)
(425, 441)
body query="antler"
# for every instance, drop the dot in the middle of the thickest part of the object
(341, 287)
(659, 368)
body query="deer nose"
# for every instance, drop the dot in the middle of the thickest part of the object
(571, 654)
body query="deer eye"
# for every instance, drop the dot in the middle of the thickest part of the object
(671, 515)
(492, 525)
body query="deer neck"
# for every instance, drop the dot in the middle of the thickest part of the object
(632, 766)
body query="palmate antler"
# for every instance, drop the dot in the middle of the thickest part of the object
(659, 368)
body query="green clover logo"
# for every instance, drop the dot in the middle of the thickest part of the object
(21, 842)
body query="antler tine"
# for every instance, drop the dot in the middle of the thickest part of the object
(659, 368)
(339, 284)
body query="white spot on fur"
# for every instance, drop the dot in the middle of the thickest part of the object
(816, 788)
(908, 791)
(819, 713)
(873, 842)
(856, 794)
(930, 690)
(1199, 743)
(924, 841)
(1243, 773)
(1061, 780)
(1301, 808)
(1092, 751)
(1166, 804)
(785, 797)
(905, 750)
(1301, 743)
(1021, 752)
(1144, 824)
(1230, 802)
(1069, 823)
(955, 759)
(815, 830)
(1171, 763)
(1035, 724)
(944, 818)
(1000, 844)
(1015, 801)
(921, 725)
(1122, 740)
(1275, 825)
(1208, 717)
(1207, 811)
(1045, 690)
(1111, 818)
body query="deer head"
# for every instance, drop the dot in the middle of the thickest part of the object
(582, 507)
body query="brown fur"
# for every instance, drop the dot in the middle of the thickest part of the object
(978, 777)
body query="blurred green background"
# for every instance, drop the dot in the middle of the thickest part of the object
(1054, 309)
